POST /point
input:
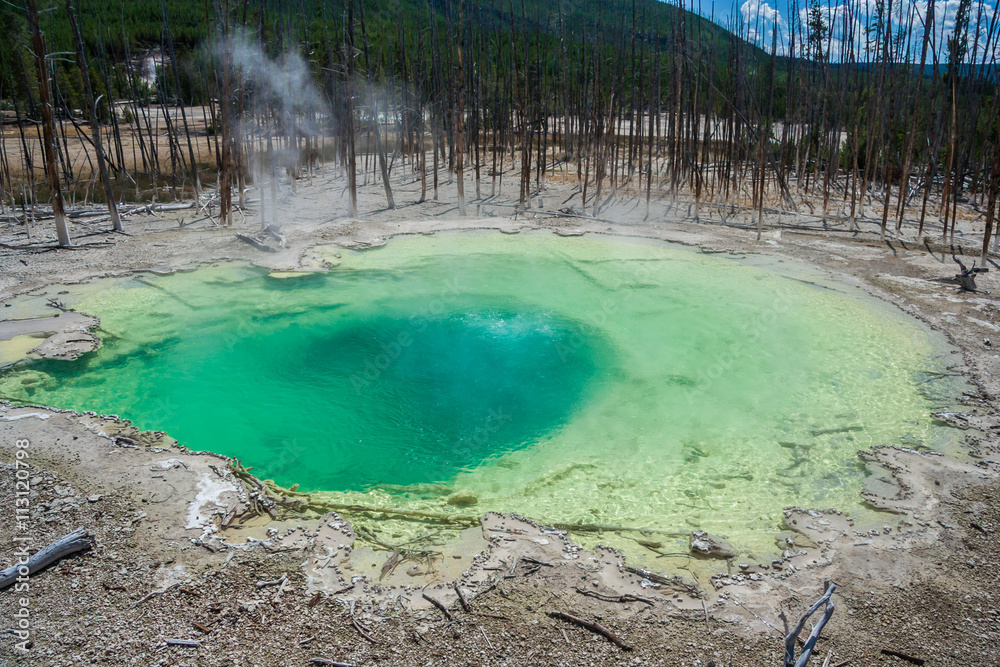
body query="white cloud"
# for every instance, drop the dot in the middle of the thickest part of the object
(853, 24)
(760, 21)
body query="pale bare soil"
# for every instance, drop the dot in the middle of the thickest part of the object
(925, 587)
(77, 150)
(175, 182)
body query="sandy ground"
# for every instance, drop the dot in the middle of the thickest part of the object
(173, 560)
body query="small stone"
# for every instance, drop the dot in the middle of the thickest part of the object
(703, 544)
(93, 499)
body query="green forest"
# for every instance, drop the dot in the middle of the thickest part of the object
(637, 97)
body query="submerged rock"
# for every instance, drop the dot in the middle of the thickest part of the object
(463, 499)
(709, 546)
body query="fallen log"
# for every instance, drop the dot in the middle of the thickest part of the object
(78, 540)
(273, 231)
(255, 243)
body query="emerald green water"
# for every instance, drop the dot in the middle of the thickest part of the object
(581, 380)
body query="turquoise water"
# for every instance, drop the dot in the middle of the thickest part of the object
(576, 380)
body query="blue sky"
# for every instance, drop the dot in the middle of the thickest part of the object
(849, 21)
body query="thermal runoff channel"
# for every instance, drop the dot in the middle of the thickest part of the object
(572, 380)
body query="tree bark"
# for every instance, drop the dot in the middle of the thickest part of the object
(95, 128)
(78, 540)
(48, 128)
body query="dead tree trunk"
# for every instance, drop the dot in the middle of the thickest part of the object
(991, 200)
(48, 128)
(180, 102)
(95, 128)
(375, 120)
(459, 119)
(352, 162)
(225, 112)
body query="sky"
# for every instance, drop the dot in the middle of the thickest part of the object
(849, 21)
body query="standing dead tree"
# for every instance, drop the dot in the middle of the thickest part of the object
(95, 128)
(226, 116)
(885, 108)
(390, 201)
(48, 127)
(349, 136)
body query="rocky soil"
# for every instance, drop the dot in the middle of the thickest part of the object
(173, 562)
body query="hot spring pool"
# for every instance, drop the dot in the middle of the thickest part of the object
(572, 380)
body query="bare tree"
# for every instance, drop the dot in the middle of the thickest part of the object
(95, 128)
(48, 137)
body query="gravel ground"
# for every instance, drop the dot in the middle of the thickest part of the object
(933, 598)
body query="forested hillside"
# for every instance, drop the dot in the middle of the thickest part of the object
(633, 98)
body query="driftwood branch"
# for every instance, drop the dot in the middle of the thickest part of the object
(627, 597)
(462, 599)
(78, 540)
(150, 596)
(529, 559)
(440, 605)
(361, 631)
(792, 637)
(903, 656)
(276, 582)
(674, 583)
(188, 643)
(485, 615)
(593, 627)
